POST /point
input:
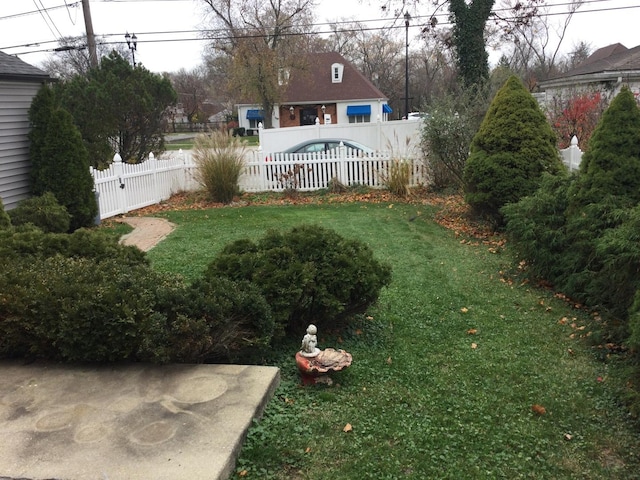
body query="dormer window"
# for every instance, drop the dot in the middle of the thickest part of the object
(337, 69)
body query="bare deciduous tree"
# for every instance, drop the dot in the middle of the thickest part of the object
(72, 57)
(264, 41)
(534, 39)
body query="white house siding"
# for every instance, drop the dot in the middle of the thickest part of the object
(15, 100)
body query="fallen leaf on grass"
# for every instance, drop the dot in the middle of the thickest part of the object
(243, 473)
(389, 361)
(472, 331)
(358, 332)
(568, 436)
(464, 309)
(474, 345)
(347, 428)
(538, 409)
(307, 450)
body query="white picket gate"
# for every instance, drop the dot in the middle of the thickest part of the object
(125, 187)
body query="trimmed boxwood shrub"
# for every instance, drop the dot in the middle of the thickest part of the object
(29, 241)
(308, 274)
(44, 212)
(512, 149)
(84, 297)
(73, 309)
(215, 319)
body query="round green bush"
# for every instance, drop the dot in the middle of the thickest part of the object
(309, 274)
(44, 212)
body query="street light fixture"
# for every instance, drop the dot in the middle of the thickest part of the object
(407, 17)
(132, 43)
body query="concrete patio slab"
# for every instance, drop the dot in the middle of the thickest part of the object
(127, 422)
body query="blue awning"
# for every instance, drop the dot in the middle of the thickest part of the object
(255, 115)
(386, 108)
(358, 110)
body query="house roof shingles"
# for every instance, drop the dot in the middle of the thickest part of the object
(314, 84)
(12, 68)
(613, 58)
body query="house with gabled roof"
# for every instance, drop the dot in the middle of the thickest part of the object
(605, 71)
(19, 83)
(329, 90)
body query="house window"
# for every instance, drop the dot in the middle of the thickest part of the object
(359, 118)
(359, 113)
(308, 116)
(255, 117)
(337, 69)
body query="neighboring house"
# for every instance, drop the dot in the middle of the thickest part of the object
(329, 89)
(19, 83)
(605, 71)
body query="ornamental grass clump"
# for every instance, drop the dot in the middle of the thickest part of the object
(399, 177)
(219, 158)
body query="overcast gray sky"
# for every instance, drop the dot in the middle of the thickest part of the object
(27, 31)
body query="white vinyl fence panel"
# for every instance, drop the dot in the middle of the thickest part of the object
(125, 187)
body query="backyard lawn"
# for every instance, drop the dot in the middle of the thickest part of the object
(461, 371)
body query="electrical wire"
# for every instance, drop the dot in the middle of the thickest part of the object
(220, 34)
(73, 21)
(49, 17)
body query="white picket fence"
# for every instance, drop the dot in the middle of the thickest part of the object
(125, 187)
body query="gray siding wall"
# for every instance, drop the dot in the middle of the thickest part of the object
(15, 100)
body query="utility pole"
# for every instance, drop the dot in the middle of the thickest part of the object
(407, 17)
(91, 39)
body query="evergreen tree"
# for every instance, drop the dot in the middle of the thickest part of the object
(118, 108)
(42, 107)
(60, 162)
(611, 163)
(512, 149)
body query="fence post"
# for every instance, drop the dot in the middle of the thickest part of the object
(342, 159)
(118, 170)
(154, 170)
(575, 154)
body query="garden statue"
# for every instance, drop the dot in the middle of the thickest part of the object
(315, 364)
(309, 342)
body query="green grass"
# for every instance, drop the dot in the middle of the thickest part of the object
(422, 402)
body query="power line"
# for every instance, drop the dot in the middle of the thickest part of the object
(32, 12)
(221, 34)
(44, 18)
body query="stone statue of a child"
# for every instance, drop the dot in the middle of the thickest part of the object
(309, 342)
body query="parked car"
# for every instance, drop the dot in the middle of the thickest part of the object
(417, 116)
(326, 144)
